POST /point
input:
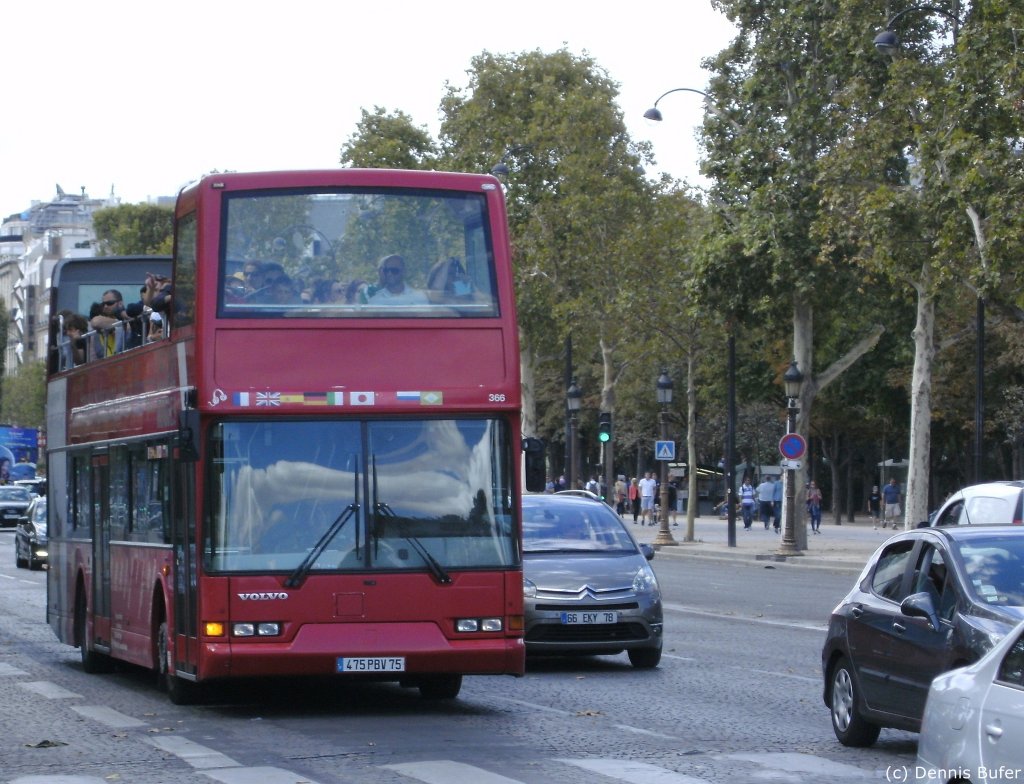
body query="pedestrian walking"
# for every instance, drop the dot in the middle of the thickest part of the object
(875, 506)
(765, 497)
(814, 506)
(892, 496)
(747, 498)
(634, 498)
(647, 487)
(777, 505)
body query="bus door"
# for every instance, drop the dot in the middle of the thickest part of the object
(101, 550)
(183, 539)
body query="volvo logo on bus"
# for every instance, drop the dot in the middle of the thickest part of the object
(262, 596)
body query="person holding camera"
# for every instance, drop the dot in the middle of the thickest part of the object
(117, 327)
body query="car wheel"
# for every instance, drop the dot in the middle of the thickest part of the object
(848, 724)
(441, 687)
(18, 560)
(644, 658)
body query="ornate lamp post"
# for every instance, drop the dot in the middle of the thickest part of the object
(573, 398)
(792, 380)
(664, 392)
(654, 113)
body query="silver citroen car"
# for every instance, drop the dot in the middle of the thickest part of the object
(588, 586)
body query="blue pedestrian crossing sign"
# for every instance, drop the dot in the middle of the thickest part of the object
(664, 450)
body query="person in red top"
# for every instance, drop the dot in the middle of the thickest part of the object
(634, 498)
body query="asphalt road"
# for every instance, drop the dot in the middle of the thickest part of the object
(737, 698)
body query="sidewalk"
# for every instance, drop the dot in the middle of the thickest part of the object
(845, 547)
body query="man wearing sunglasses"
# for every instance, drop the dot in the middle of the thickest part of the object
(117, 327)
(393, 289)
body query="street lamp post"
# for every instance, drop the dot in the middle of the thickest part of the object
(573, 398)
(888, 43)
(792, 379)
(664, 392)
(654, 113)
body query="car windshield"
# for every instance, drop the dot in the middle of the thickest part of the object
(553, 526)
(39, 514)
(14, 494)
(995, 569)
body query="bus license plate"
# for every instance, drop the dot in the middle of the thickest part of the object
(371, 664)
(604, 616)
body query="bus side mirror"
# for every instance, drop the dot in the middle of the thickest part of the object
(188, 435)
(534, 469)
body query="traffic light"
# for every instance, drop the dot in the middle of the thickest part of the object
(604, 427)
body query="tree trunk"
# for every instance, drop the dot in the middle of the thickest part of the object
(528, 382)
(691, 449)
(921, 404)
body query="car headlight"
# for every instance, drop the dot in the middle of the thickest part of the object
(644, 580)
(529, 589)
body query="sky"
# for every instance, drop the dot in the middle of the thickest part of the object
(145, 97)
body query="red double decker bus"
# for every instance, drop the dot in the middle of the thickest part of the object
(312, 466)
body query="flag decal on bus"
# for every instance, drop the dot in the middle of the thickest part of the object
(431, 398)
(268, 398)
(361, 398)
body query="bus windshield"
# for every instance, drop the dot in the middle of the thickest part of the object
(409, 494)
(357, 252)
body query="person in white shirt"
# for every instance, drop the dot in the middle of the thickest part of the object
(647, 487)
(392, 289)
(765, 498)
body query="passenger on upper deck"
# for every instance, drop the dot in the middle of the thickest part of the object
(392, 289)
(118, 327)
(448, 281)
(73, 343)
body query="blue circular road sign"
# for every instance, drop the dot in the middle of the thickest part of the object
(792, 446)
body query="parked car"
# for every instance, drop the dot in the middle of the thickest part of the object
(928, 600)
(986, 503)
(14, 500)
(30, 536)
(973, 725)
(588, 586)
(35, 485)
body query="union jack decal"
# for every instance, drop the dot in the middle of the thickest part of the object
(268, 398)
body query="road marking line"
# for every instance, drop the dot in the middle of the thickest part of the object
(108, 716)
(807, 626)
(195, 754)
(631, 771)
(50, 691)
(447, 771)
(266, 775)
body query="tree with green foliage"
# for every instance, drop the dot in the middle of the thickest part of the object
(925, 182)
(24, 396)
(384, 140)
(774, 89)
(574, 188)
(133, 229)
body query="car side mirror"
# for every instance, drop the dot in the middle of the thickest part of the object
(534, 469)
(920, 605)
(648, 551)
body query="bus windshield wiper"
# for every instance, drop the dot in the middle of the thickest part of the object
(432, 563)
(296, 578)
(381, 509)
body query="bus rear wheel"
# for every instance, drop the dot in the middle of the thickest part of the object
(179, 691)
(441, 687)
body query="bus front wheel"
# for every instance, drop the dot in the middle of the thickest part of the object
(179, 691)
(441, 687)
